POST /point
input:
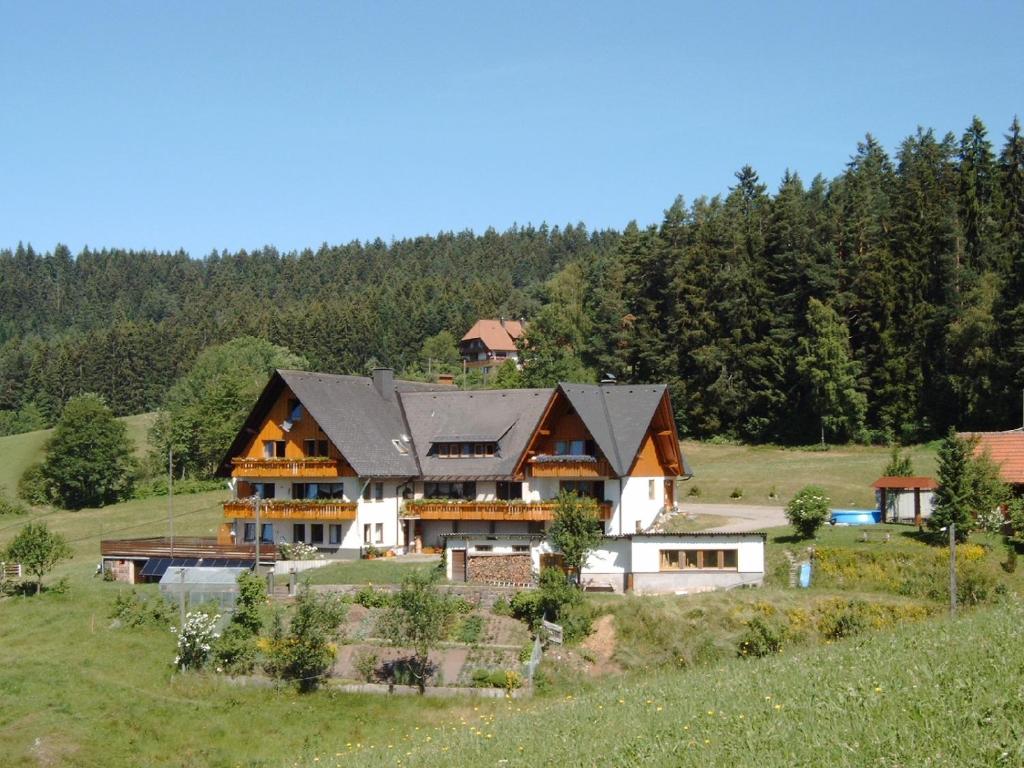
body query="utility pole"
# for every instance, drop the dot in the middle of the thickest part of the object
(952, 570)
(259, 534)
(170, 495)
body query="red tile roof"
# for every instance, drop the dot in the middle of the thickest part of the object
(1006, 450)
(497, 335)
(898, 483)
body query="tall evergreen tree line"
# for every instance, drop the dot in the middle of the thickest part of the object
(915, 264)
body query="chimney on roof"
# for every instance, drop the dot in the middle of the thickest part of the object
(608, 380)
(446, 378)
(384, 382)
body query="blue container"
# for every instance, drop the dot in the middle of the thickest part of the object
(856, 516)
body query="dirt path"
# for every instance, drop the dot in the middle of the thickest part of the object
(601, 643)
(741, 517)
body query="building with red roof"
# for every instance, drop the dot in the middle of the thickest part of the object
(489, 343)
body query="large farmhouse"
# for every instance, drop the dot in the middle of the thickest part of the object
(346, 463)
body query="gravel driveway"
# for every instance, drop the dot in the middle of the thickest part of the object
(741, 517)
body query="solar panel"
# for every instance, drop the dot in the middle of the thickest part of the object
(157, 566)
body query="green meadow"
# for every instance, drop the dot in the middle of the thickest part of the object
(908, 688)
(764, 474)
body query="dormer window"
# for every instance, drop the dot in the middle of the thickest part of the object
(465, 450)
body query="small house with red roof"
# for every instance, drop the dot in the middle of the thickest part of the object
(489, 343)
(1006, 449)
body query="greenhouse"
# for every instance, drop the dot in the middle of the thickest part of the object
(202, 585)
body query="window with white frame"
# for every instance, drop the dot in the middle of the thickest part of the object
(699, 559)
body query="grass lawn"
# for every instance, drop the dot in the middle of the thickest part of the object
(384, 570)
(17, 452)
(846, 472)
(76, 692)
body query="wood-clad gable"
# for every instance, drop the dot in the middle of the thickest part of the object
(302, 435)
(659, 453)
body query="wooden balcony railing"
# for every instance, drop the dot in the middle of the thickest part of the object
(569, 468)
(490, 510)
(308, 467)
(184, 546)
(282, 509)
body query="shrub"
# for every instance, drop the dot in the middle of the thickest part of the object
(974, 585)
(252, 596)
(33, 486)
(366, 662)
(459, 604)
(1010, 564)
(808, 510)
(195, 640)
(509, 679)
(306, 653)
(501, 607)
(762, 637)
(371, 552)
(694, 491)
(368, 597)
(469, 630)
(133, 611)
(843, 620)
(737, 493)
(577, 622)
(235, 650)
(526, 653)
(298, 550)
(1015, 514)
(555, 599)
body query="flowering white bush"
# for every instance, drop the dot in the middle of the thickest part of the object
(298, 551)
(991, 521)
(808, 510)
(195, 640)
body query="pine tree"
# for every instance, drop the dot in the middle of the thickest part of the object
(830, 373)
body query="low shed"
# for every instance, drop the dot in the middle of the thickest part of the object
(905, 499)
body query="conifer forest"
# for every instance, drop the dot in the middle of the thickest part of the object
(885, 303)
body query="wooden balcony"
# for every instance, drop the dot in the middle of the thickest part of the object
(578, 468)
(282, 509)
(489, 510)
(271, 468)
(184, 546)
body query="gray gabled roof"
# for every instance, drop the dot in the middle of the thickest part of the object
(504, 416)
(359, 421)
(617, 417)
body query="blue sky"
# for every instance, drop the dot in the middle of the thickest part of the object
(203, 125)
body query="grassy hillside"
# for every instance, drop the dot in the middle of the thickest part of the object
(937, 693)
(846, 472)
(17, 452)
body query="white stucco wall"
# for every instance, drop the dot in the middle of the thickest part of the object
(646, 552)
(637, 505)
